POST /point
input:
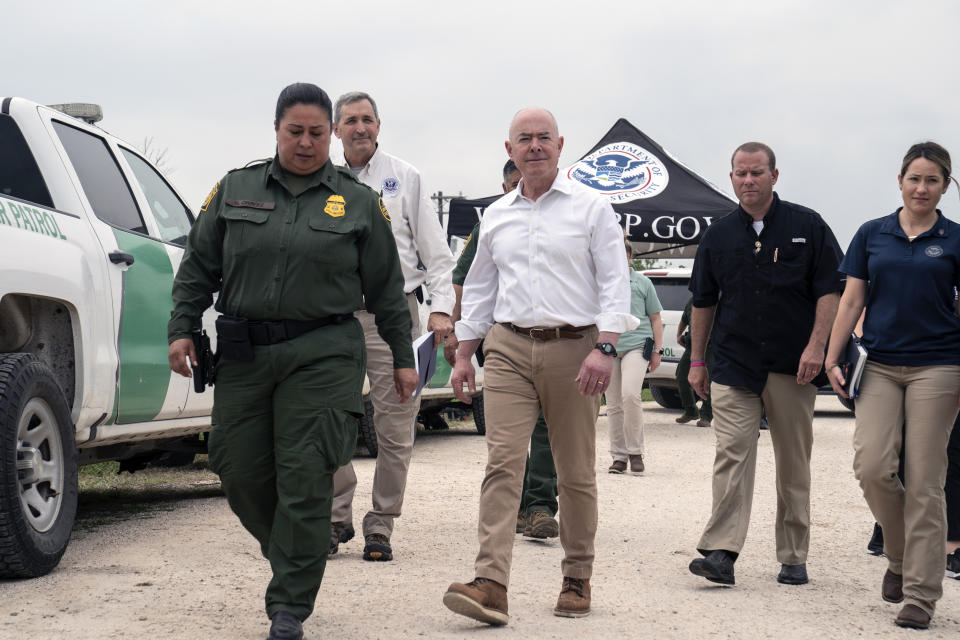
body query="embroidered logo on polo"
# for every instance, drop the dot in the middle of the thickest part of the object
(335, 207)
(934, 251)
(622, 171)
(391, 186)
(383, 211)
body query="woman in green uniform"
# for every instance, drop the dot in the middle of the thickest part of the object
(294, 245)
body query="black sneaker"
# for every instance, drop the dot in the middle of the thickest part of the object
(340, 532)
(377, 548)
(285, 626)
(875, 546)
(717, 567)
(953, 565)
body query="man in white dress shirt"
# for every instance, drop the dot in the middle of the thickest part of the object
(420, 241)
(550, 290)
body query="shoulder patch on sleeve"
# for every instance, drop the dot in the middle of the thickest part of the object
(210, 197)
(383, 210)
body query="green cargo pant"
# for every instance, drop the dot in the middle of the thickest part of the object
(687, 395)
(282, 424)
(540, 475)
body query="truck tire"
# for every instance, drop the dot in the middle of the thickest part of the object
(478, 418)
(367, 432)
(38, 468)
(666, 397)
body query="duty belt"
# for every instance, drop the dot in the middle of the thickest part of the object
(264, 332)
(549, 333)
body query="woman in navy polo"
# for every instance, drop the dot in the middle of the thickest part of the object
(905, 269)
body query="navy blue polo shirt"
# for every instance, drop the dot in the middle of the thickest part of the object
(911, 317)
(765, 288)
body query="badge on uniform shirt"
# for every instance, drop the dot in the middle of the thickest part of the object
(934, 251)
(391, 186)
(210, 196)
(384, 212)
(335, 207)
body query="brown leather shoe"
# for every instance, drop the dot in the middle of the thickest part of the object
(574, 600)
(913, 617)
(618, 466)
(687, 417)
(481, 599)
(892, 588)
(636, 464)
(541, 524)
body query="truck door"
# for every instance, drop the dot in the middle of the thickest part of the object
(140, 281)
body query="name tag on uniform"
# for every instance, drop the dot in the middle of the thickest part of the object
(799, 241)
(250, 204)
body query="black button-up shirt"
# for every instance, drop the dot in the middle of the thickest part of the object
(765, 288)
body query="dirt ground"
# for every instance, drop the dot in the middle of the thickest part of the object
(188, 571)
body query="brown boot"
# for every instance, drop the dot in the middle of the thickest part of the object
(636, 464)
(891, 589)
(481, 599)
(574, 600)
(913, 617)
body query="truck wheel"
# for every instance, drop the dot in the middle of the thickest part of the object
(478, 418)
(38, 468)
(368, 434)
(666, 397)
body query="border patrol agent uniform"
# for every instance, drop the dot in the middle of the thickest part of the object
(296, 256)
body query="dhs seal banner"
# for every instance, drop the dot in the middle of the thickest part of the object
(622, 171)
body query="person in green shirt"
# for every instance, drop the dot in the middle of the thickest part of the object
(294, 246)
(624, 401)
(538, 500)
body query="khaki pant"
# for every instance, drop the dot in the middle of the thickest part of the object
(625, 405)
(913, 518)
(395, 424)
(736, 420)
(521, 375)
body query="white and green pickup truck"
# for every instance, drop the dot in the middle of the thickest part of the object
(91, 234)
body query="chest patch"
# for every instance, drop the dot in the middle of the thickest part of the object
(335, 207)
(934, 251)
(391, 186)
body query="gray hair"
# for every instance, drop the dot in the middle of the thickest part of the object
(349, 98)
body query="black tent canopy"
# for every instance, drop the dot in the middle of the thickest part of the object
(663, 206)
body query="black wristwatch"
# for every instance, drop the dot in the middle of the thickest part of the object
(606, 348)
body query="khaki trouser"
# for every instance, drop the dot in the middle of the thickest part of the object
(395, 424)
(521, 375)
(913, 518)
(736, 420)
(625, 405)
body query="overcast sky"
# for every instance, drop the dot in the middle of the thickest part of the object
(839, 89)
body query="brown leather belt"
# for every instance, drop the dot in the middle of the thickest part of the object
(548, 333)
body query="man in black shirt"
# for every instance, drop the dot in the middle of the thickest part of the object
(766, 280)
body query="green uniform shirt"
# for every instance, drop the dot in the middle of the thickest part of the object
(276, 256)
(466, 257)
(643, 302)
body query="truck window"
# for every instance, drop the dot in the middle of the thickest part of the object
(172, 216)
(101, 178)
(672, 292)
(19, 174)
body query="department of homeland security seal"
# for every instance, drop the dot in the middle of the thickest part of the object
(934, 251)
(391, 186)
(622, 171)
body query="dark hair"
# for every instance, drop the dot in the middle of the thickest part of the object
(753, 147)
(350, 98)
(928, 151)
(303, 93)
(509, 168)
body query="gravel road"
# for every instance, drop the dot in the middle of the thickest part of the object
(192, 572)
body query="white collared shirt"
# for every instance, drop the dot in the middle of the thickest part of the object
(555, 261)
(418, 233)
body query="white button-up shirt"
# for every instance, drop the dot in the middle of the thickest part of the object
(416, 228)
(555, 261)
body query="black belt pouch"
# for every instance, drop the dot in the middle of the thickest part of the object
(233, 339)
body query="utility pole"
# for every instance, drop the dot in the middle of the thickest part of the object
(441, 199)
